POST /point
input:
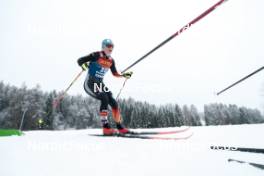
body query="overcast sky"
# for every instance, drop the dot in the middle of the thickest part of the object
(41, 40)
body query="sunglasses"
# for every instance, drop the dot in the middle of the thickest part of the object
(110, 46)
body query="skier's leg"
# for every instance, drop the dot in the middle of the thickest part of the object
(116, 114)
(104, 113)
(115, 110)
(103, 97)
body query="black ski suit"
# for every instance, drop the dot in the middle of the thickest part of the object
(99, 64)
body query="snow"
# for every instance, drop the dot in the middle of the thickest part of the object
(74, 152)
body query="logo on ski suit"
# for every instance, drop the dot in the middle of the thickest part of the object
(99, 68)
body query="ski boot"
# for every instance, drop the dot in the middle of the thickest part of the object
(107, 130)
(121, 129)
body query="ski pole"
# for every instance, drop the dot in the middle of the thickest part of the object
(259, 166)
(246, 77)
(121, 89)
(171, 37)
(178, 32)
(57, 100)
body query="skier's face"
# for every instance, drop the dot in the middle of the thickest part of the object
(108, 50)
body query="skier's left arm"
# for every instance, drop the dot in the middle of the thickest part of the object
(115, 72)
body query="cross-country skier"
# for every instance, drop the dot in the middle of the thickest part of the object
(98, 63)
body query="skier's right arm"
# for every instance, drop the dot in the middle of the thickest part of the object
(84, 61)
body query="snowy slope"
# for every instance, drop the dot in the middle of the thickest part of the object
(75, 153)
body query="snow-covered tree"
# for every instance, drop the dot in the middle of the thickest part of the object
(78, 112)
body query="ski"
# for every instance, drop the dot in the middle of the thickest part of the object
(144, 137)
(159, 132)
(259, 166)
(239, 149)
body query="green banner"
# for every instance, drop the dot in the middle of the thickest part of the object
(10, 132)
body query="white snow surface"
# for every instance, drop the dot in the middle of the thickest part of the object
(75, 153)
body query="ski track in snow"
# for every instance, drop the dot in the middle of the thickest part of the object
(74, 152)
